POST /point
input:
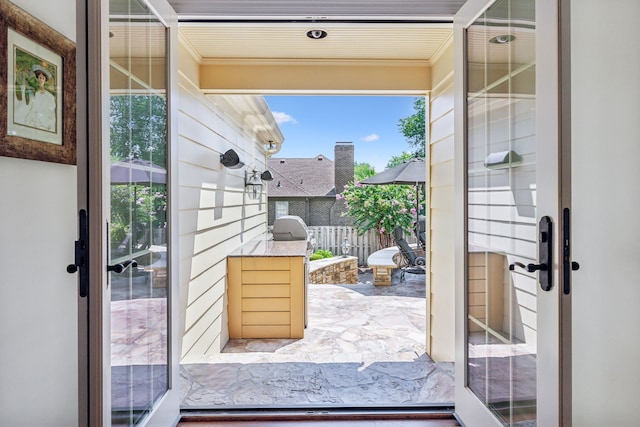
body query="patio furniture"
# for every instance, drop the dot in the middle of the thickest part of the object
(382, 262)
(415, 261)
(419, 230)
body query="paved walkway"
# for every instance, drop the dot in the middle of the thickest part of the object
(364, 346)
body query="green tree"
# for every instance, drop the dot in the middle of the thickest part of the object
(396, 160)
(381, 208)
(138, 126)
(413, 127)
(363, 171)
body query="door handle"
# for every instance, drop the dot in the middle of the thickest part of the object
(545, 252)
(122, 267)
(529, 267)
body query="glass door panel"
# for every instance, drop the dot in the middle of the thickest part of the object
(501, 211)
(139, 206)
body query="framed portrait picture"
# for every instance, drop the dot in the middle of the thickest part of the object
(37, 89)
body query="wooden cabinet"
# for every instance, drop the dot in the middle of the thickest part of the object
(486, 279)
(266, 296)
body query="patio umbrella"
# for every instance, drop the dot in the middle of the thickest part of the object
(409, 172)
(134, 171)
(137, 171)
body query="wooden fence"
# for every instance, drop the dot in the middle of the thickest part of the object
(331, 238)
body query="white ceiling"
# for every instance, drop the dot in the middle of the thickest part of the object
(275, 30)
(267, 41)
(277, 42)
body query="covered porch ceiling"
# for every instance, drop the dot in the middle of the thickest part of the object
(316, 10)
(392, 43)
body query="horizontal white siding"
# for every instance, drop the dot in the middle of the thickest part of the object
(502, 202)
(441, 213)
(215, 217)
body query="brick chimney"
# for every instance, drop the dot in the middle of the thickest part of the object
(343, 165)
(343, 174)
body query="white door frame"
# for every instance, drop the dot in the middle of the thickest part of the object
(93, 103)
(553, 390)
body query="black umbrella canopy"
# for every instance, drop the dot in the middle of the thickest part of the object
(137, 171)
(410, 172)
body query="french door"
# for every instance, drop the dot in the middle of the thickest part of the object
(133, 374)
(508, 289)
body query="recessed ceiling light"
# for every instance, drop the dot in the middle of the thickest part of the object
(502, 39)
(316, 34)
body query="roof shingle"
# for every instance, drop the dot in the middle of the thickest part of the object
(298, 177)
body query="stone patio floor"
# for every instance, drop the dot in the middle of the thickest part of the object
(364, 346)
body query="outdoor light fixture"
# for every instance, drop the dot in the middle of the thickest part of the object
(253, 184)
(502, 39)
(313, 241)
(502, 160)
(270, 147)
(316, 34)
(346, 248)
(231, 160)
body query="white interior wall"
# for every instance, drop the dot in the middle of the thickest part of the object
(38, 298)
(605, 60)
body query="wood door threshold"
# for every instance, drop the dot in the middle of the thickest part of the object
(382, 417)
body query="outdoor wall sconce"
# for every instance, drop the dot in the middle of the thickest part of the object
(270, 147)
(231, 160)
(253, 184)
(346, 248)
(502, 160)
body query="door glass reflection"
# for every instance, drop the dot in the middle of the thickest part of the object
(138, 220)
(501, 210)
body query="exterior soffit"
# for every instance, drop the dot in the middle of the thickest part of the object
(252, 114)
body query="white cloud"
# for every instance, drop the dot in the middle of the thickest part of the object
(283, 118)
(370, 138)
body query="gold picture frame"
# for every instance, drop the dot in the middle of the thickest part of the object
(37, 89)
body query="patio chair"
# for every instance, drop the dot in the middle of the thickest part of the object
(132, 245)
(414, 262)
(419, 230)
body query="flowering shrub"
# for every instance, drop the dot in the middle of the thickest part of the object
(382, 208)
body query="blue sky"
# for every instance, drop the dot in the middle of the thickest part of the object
(312, 125)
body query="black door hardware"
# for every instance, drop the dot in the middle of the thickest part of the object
(545, 252)
(81, 262)
(529, 267)
(122, 267)
(567, 265)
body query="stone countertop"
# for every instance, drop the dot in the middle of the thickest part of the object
(267, 247)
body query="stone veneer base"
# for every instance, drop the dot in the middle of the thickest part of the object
(334, 271)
